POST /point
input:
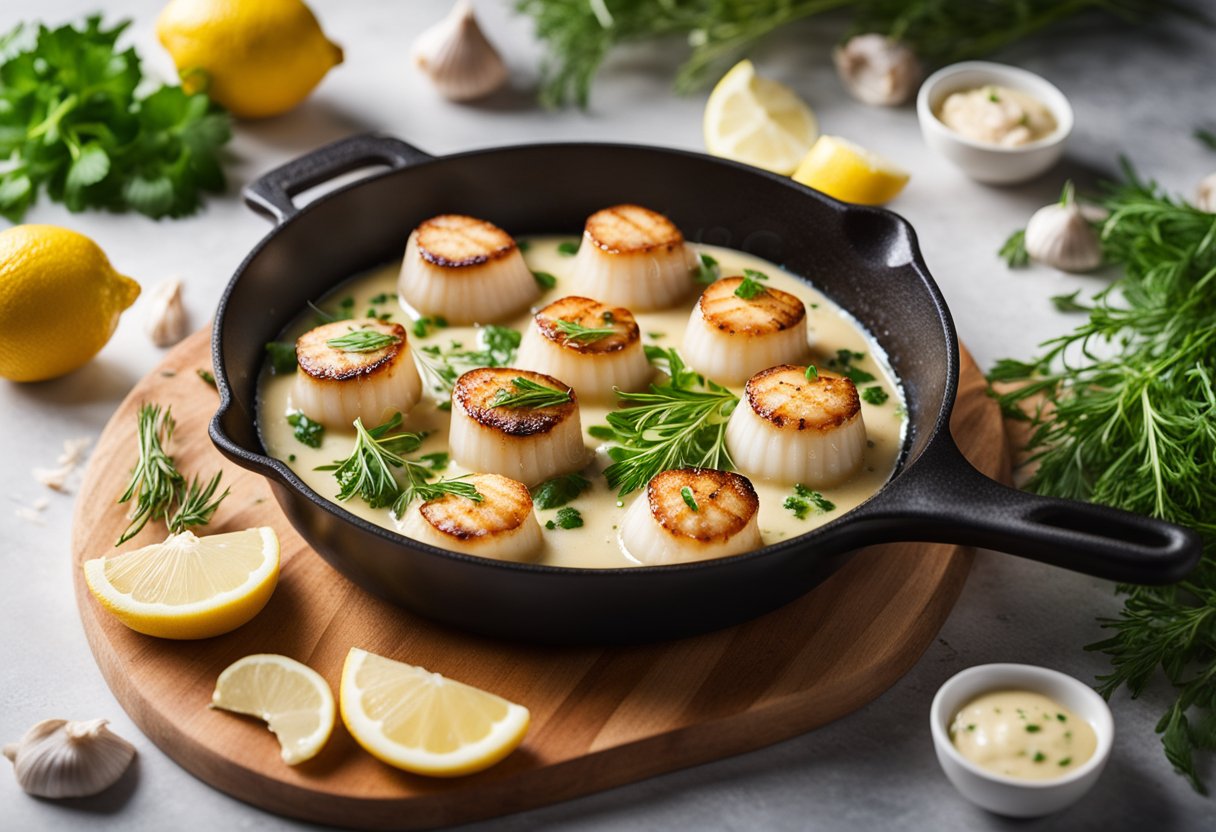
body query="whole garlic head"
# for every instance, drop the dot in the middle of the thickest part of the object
(879, 70)
(166, 322)
(1205, 195)
(1060, 236)
(460, 60)
(57, 758)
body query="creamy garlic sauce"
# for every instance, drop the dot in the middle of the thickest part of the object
(997, 115)
(596, 543)
(1022, 734)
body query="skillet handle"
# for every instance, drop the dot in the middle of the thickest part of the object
(945, 499)
(274, 193)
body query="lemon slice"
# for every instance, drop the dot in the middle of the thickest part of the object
(293, 699)
(758, 121)
(188, 587)
(419, 721)
(850, 173)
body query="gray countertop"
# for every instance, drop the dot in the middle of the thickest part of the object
(1136, 91)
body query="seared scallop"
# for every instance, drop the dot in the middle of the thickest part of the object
(634, 257)
(349, 369)
(501, 525)
(527, 443)
(795, 429)
(692, 514)
(729, 338)
(466, 270)
(592, 346)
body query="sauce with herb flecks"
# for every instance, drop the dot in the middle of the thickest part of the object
(1022, 734)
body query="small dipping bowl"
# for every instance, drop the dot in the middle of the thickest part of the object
(1012, 796)
(982, 161)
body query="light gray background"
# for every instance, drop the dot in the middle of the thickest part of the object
(1136, 91)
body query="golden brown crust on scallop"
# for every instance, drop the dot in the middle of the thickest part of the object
(784, 396)
(768, 312)
(477, 388)
(588, 313)
(455, 241)
(631, 229)
(506, 506)
(324, 363)
(726, 502)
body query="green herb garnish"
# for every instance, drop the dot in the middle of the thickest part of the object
(197, 504)
(423, 326)
(804, 499)
(544, 280)
(1013, 252)
(557, 492)
(497, 346)
(584, 334)
(1033, 729)
(306, 430)
(362, 340)
(1039, 756)
(875, 395)
(843, 364)
(206, 376)
(1061, 717)
(567, 518)
(677, 424)
(567, 248)
(1069, 303)
(689, 499)
(530, 395)
(707, 269)
(282, 357)
(1206, 137)
(601, 432)
(1065, 762)
(439, 460)
(812, 372)
(383, 297)
(751, 287)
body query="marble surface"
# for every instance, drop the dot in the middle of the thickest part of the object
(1136, 91)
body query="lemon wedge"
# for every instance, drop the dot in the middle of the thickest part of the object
(850, 173)
(758, 121)
(188, 587)
(422, 722)
(292, 698)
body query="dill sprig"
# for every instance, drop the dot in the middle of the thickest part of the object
(575, 331)
(154, 479)
(529, 395)
(677, 424)
(1122, 412)
(196, 506)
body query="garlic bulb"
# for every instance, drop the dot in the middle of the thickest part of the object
(459, 59)
(166, 322)
(57, 758)
(876, 69)
(1205, 196)
(1060, 236)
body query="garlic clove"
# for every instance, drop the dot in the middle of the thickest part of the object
(878, 70)
(1059, 235)
(1205, 194)
(166, 321)
(57, 758)
(460, 60)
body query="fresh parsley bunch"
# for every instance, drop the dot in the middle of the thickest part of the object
(72, 122)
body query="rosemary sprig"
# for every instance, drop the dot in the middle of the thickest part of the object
(418, 489)
(530, 395)
(575, 331)
(196, 506)
(1122, 412)
(362, 340)
(676, 424)
(154, 479)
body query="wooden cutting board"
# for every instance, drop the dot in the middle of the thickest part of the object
(601, 717)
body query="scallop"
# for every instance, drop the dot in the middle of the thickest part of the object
(500, 526)
(466, 270)
(527, 444)
(634, 257)
(692, 514)
(593, 346)
(335, 386)
(730, 338)
(795, 429)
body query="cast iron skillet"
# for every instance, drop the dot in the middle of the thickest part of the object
(865, 259)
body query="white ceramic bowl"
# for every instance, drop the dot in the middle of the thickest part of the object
(987, 162)
(1008, 795)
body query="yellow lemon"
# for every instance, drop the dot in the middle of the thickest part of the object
(291, 698)
(258, 58)
(188, 587)
(850, 173)
(755, 120)
(59, 301)
(422, 722)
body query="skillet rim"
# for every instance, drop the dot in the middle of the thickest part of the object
(276, 469)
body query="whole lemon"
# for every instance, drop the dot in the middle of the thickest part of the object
(59, 301)
(257, 58)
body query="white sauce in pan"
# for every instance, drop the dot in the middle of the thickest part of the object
(596, 543)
